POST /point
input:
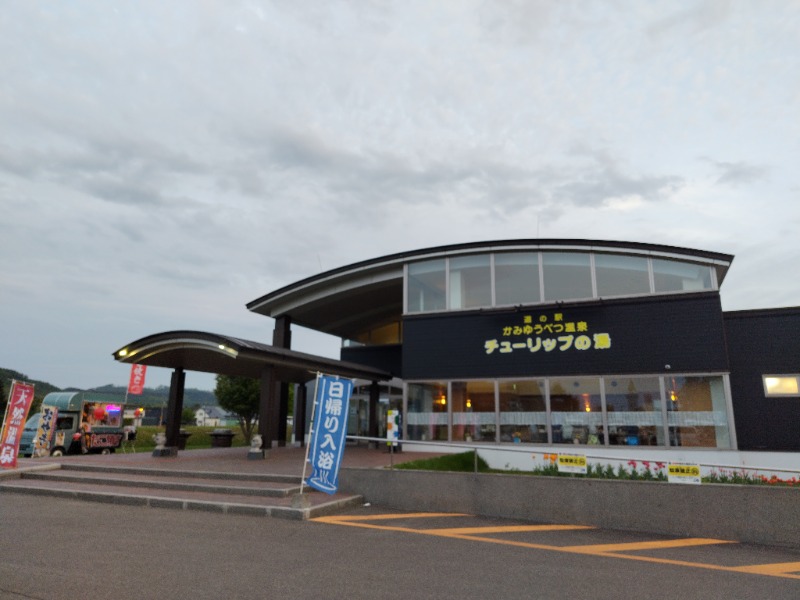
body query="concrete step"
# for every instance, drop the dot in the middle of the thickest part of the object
(161, 482)
(183, 474)
(159, 489)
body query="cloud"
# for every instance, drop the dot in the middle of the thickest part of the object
(739, 173)
(162, 164)
(698, 17)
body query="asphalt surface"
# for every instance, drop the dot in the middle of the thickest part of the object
(56, 548)
(64, 549)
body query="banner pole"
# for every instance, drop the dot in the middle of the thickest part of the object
(310, 432)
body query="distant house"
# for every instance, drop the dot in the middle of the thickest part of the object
(214, 416)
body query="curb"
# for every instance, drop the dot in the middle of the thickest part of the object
(17, 473)
(302, 514)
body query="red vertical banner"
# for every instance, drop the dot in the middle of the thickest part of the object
(136, 383)
(19, 403)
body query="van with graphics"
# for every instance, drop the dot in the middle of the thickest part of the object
(74, 423)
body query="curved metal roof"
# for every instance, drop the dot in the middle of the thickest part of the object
(349, 299)
(226, 355)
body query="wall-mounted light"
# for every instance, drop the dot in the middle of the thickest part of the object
(469, 403)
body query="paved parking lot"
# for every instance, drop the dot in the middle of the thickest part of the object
(64, 549)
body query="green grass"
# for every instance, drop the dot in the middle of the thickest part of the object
(200, 437)
(464, 461)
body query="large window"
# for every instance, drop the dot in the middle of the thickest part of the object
(523, 411)
(616, 410)
(576, 410)
(567, 275)
(526, 278)
(633, 406)
(675, 276)
(426, 286)
(470, 281)
(619, 275)
(697, 412)
(427, 411)
(517, 278)
(474, 413)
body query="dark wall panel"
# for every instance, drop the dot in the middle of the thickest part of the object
(388, 358)
(764, 343)
(685, 332)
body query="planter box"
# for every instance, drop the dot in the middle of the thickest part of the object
(221, 438)
(182, 437)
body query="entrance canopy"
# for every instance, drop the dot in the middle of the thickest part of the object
(226, 355)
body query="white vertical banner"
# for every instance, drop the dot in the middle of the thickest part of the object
(328, 432)
(392, 427)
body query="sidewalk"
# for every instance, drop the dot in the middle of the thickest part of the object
(286, 460)
(215, 479)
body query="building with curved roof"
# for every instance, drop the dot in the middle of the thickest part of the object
(554, 341)
(592, 343)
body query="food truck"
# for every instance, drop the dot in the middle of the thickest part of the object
(74, 423)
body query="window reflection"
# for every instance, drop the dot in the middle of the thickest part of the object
(427, 411)
(634, 412)
(576, 410)
(696, 408)
(426, 286)
(470, 281)
(522, 278)
(517, 278)
(474, 415)
(619, 275)
(567, 275)
(523, 412)
(697, 412)
(674, 276)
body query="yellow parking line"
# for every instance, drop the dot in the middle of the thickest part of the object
(783, 569)
(506, 529)
(350, 518)
(654, 545)
(359, 521)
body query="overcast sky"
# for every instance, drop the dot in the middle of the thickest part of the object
(164, 163)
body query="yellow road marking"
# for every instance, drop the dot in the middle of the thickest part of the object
(654, 545)
(358, 521)
(506, 529)
(349, 518)
(784, 570)
(772, 569)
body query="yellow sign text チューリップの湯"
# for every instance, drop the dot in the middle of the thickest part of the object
(546, 334)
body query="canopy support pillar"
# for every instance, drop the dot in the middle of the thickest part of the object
(174, 412)
(282, 338)
(269, 408)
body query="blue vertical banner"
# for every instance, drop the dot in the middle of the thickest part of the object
(331, 405)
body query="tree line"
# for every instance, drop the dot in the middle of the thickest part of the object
(151, 397)
(237, 395)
